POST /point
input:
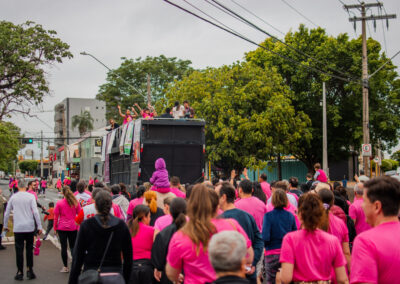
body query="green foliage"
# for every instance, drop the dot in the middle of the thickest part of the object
(387, 165)
(28, 166)
(396, 156)
(9, 144)
(344, 99)
(84, 122)
(162, 71)
(248, 113)
(25, 50)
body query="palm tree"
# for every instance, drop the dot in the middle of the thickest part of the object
(84, 122)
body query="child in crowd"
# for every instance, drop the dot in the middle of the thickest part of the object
(148, 113)
(159, 179)
(49, 216)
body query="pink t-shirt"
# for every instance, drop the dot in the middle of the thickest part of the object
(182, 253)
(178, 192)
(313, 254)
(265, 186)
(31, 191)
(143, 242)
(322, 176)
(376, 255)
(338, 228)
(255, 207)
(91, 182)
(163, 222)
(64, 216)
(127, 119)
(357, 213)
(290, 208)
(148, 115)
(133, 203)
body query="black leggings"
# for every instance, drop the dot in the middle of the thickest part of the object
(65, 236)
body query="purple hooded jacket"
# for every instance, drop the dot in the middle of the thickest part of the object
(160, 176)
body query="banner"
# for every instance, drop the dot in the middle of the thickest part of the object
(103, 148)
(136, 141)
(122, 139)
(111, 142)
(128, 137)
(106, 177)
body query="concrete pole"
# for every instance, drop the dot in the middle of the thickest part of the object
(148, 90)
(365, 88)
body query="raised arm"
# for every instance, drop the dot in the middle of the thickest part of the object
(120, 113)
(139, 108)
(134, 112)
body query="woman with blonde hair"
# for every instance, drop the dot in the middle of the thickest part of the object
(64, 223)
(150, 198)
(188, 247)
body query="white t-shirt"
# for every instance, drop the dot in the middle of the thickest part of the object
(25, 211)
(90, 211)
(178, 112)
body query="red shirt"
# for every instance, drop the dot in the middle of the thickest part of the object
(50, 216)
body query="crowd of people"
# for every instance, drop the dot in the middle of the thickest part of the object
(219, 231)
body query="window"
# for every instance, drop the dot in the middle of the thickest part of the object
(97, 107)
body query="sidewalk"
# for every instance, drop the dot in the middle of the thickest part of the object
(46, 265)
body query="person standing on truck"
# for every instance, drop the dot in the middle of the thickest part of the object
(189, 111)
(148, 113)
(113, 125)
(178, 111)
(127, 116)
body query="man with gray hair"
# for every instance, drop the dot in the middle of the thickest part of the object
(356, 212)
(26, 224)
(227, 252)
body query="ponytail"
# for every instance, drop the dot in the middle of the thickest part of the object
(151, 200)
(103, 206)
(327, 199)
(177, 209)
(139, 212)
(69, 196)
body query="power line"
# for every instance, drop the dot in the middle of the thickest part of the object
(298, 12)
(383, 29)
(250, 12)
(263, 47)
(274, 37)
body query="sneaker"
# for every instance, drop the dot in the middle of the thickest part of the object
(30, 274)
(45, 237)
(19, 276)
(64, 270)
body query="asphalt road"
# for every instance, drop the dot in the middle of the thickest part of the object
(48, 264)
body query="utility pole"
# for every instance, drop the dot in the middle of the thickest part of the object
(41, 153)
(148, 90)
(324, 132)
(362, 7)
(65, 136)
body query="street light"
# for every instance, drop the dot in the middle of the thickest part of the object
(109, 69)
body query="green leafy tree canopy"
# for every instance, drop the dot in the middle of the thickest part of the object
(344, 99)
(84, 122)
(9, 144)
(248, 113)
(28, 166)
(25, 50)
(162, 71)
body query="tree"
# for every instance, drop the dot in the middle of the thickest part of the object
(162, 71)
(84, 122)
(396, 156)
(9, 144)
(28, 166)
(25, 50)
(248, 113)
(344, 99)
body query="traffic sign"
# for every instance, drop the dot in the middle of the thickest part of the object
(366, 150)
(378, 161)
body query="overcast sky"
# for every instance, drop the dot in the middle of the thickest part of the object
(111, 29)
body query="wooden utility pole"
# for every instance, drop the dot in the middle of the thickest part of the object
(365, 85)
(148, 90)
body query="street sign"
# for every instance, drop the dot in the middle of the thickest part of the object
(378, 161)
(366, 150)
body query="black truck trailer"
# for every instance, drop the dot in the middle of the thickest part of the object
(180, 142)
